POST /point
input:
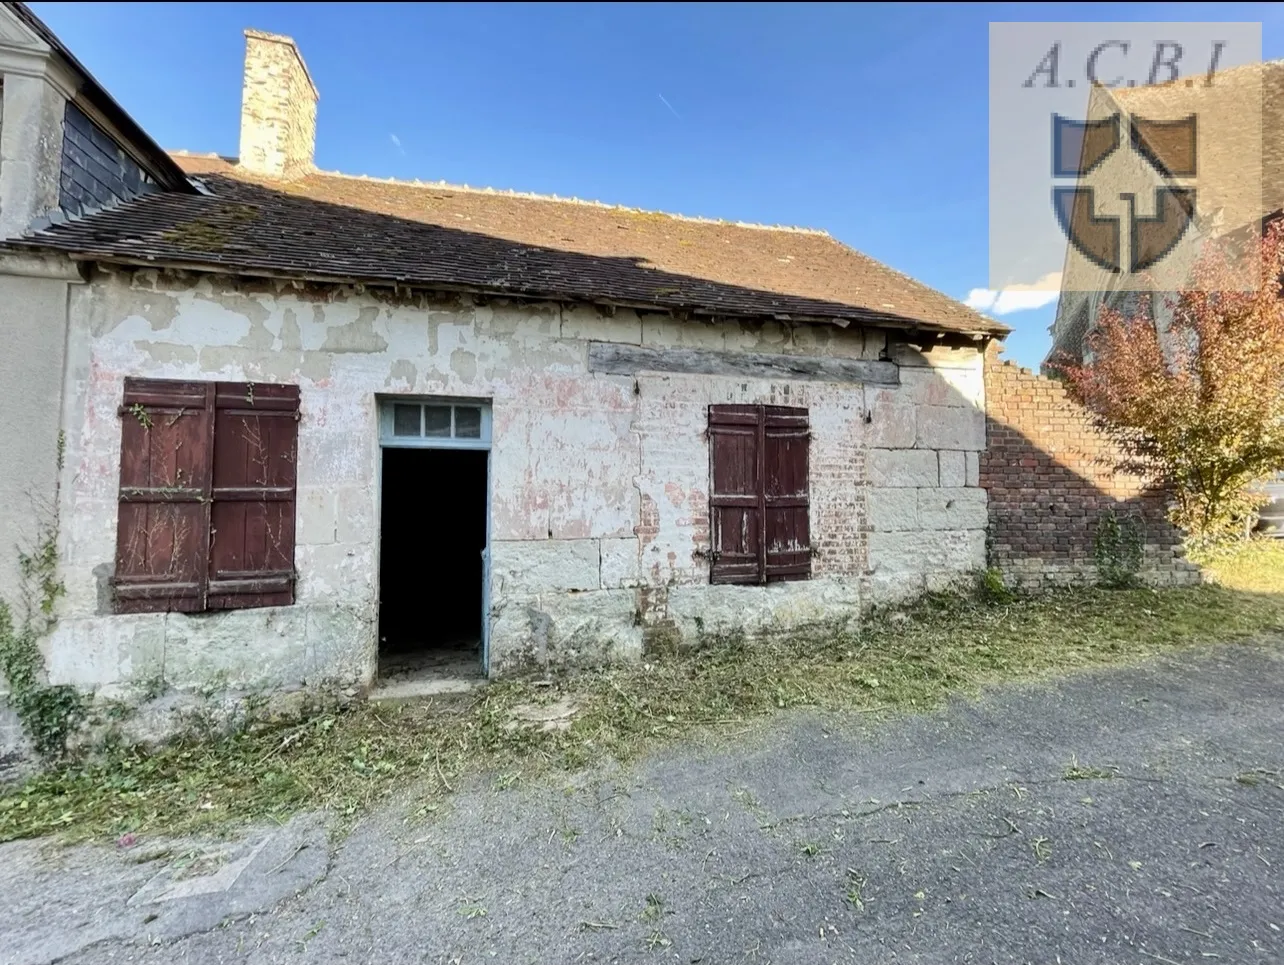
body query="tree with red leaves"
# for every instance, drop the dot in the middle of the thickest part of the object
(1198, 403)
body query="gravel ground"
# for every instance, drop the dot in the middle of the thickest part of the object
(1109, 818)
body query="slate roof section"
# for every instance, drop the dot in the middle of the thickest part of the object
(159, 163)
(329, 227)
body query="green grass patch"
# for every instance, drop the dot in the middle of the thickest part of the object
(1254, 566)
(348, 762)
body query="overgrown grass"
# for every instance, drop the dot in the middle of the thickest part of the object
(1255, 566)
(350, 761)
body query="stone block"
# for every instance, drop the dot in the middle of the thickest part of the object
(903, 467)
(316, 515)
(949, 386)
(564, 629)
(949, 580)
(620, 566)
(950, 427)
(937, 356)
(355, 515)
(246, 649)
(333, 573)
(340, 646)
(589, 324)
(952, 508)
(892, 587)
(108, 651)
(954, 467)
(706, 613)
(891, 510)
(893, 422)
(972, 469)
(540, 566)
(916, 554)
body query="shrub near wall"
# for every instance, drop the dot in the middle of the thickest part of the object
(1052, 482)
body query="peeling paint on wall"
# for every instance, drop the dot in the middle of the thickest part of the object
(599, 505)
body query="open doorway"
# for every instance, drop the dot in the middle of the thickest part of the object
(431, 570)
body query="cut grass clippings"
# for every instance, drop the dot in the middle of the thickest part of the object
(350, 761)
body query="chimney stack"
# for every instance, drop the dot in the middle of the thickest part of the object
(278, 108)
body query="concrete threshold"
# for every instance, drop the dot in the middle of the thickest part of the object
(429, 685)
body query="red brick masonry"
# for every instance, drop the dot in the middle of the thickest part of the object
(1050, 473)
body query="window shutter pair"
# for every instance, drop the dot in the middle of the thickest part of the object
(758, 503)
(207, 496)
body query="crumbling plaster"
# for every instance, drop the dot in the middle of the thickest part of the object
(599, 502)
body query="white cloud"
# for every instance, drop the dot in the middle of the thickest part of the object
(1016, 298)
(396, 142)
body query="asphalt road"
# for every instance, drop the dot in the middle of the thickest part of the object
(1128, 817)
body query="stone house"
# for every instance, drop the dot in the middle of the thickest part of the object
(296, 423)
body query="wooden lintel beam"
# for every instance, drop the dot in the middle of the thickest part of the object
(610, 358)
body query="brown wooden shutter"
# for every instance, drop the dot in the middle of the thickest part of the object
(787, 527)
(735, 506)
(758, 499)
(255, 473)
(162, 530)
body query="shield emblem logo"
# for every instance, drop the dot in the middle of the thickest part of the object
(1080, 149)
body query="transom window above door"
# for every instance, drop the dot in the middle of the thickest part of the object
(434, 423)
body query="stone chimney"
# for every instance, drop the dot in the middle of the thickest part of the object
(278, 108)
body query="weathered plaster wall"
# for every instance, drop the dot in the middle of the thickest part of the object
(599, 483)
(33, 329)
(30, 150)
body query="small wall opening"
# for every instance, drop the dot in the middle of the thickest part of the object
(432, 534)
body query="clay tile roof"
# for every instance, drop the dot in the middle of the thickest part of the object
(336, 227)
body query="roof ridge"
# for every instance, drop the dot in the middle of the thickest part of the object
(553, 198)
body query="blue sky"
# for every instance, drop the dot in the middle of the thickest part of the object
(866, 120)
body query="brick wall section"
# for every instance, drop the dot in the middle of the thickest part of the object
(95, 170)
(1050, 474)
(278, 108)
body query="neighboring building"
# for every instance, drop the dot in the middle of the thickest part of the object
(310, 421)
(1238, 178)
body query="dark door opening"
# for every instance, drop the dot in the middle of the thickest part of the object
(432, 533)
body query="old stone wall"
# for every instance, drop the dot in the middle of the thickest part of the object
(599, 494)
(1051, 474)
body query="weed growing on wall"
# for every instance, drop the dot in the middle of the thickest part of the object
(48, 713)
(991, 588)
(1117, 550)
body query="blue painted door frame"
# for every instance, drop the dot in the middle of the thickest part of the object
(477, 437)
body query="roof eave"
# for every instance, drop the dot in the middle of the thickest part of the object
(854, 316)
